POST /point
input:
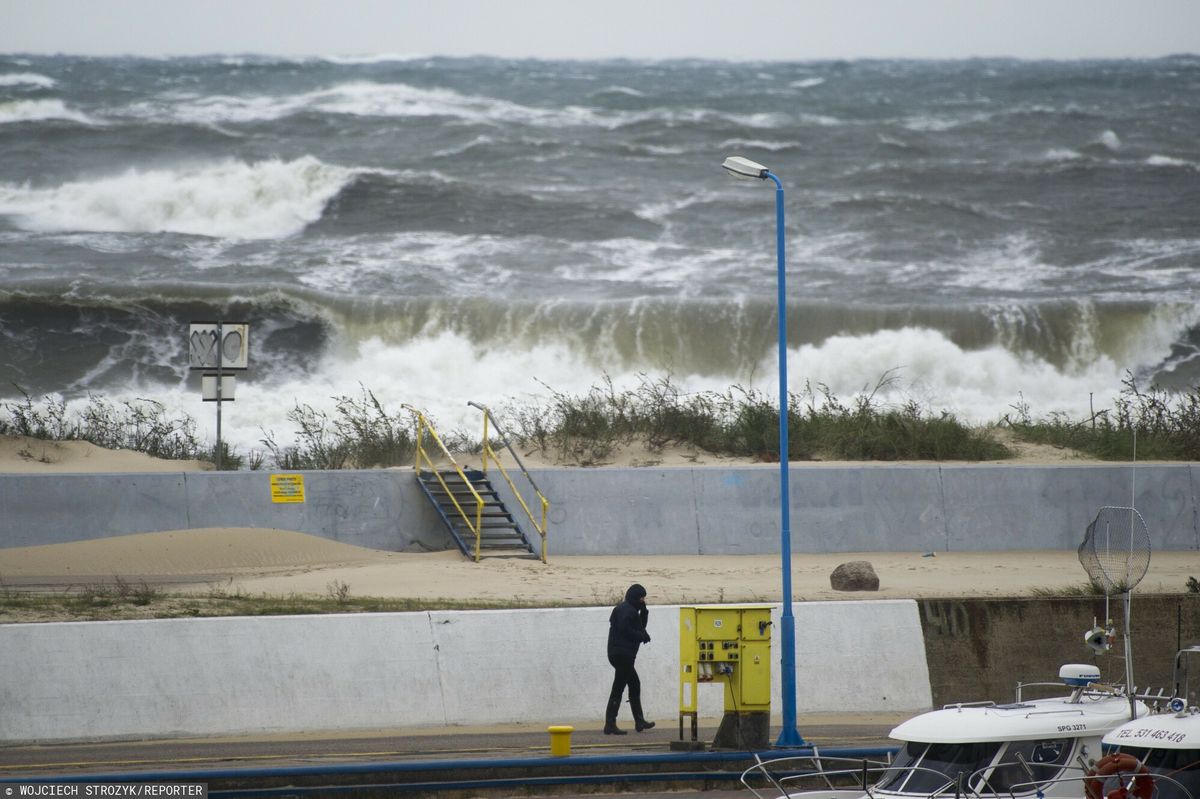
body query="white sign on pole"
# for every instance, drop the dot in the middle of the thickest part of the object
(233, 350)
(208, 388)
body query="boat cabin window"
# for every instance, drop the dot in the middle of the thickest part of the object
(1045, 759)
(922, 768)
(986, 768)
(1182, 765)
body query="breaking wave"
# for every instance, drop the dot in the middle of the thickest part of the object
(231, 199)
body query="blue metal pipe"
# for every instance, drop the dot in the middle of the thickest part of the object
(483, 784)
(407, 766)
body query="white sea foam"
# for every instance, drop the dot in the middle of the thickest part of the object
(806, 83)
(648, 264)
(625, 90)
(1166, 160)
(759, 144)
(478, 141)
(820, 120)
(230, 199)
(400, 100)
(892, 141)
(1061, 154)
(441, 372)
(38, 110)
(978, 386)
(378, 58)
(27, 79)
(361, 98)
(1109, 141)
(938, 124)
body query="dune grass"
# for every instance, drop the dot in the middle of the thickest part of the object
(1167, 426)
(123, 599)
(587, 429)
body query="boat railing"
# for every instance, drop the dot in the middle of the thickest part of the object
(1039, 787)
(783, 775)
(1157, 699)
(1092, 691)
(981, 786)
(780, 777)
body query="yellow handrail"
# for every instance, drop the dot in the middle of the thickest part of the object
(423, 457)
(488, 451)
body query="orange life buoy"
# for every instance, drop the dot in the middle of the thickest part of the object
(1118, 763)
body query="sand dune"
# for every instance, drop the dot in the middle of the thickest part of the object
(280, 562)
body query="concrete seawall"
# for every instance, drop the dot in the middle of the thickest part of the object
(670, 511)
(200, 677)
(195, 677)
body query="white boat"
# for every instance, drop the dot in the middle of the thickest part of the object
(1029, 747)
(1157, 757)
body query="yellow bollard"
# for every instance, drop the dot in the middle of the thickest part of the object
(560, 740)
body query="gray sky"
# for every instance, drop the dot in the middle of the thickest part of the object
(732, 29)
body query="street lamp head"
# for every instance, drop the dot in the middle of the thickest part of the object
(745, 168)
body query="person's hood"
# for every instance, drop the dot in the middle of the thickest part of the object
(635, 594)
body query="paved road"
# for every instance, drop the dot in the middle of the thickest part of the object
(391, 746)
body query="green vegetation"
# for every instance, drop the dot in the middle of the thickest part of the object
(360, 435)
(744, 423)
(123, 600)
(1089, 588)
(590, 428)
(140, 425)
(1167, 426)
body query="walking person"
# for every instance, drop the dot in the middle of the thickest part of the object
(627, 632)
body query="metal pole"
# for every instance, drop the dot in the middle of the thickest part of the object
(220, 348)
(1129, 662)
(789, 735)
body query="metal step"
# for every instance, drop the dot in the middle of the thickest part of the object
(499, 531)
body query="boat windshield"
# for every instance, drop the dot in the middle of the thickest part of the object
(1043, 761)
(1182, 765)
(986, 768)
(922, 768)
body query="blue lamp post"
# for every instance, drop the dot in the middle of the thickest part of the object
(789, 735)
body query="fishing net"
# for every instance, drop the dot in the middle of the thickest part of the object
(1116, 550)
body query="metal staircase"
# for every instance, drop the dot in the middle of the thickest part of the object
(466, 501)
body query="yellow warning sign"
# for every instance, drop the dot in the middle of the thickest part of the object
(287, 488)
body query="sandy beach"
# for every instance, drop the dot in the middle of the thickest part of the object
(281, 562)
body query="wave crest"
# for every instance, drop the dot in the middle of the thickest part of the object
(230, 199)
(41, 110)
(27, 79)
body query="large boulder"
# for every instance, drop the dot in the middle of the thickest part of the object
(856, 575)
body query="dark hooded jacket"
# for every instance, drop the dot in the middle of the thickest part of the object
(627, 624)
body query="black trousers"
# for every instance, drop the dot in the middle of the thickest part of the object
(625, 676)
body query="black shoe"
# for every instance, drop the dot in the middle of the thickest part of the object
(642, 724)
(613, 729)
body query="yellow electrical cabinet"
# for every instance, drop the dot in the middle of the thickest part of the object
(730, 644)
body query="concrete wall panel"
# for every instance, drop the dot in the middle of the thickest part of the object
(53, 509)
(1195, 481)
(860, 656)
(376, 509)
(181, 677)
(998, 508)
(685, 511)
(737, 510)
(876, 509)
(216, 676)
(620, 511)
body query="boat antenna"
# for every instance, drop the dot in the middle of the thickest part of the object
(1116, 555)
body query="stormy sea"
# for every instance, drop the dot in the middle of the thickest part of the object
(985, 233)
